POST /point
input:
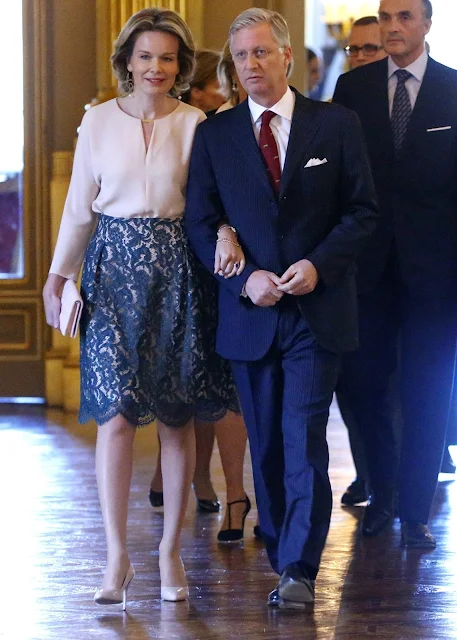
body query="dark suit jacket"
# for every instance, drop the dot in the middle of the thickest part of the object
(418, 192)
(324, 213)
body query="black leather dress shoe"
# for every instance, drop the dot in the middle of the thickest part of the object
(355, 493)
(295, 585)
(416, 535)
(275, 600)
(375, 519)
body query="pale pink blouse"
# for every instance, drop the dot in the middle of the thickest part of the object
(114, 174)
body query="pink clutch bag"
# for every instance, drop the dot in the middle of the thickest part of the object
(70, 310)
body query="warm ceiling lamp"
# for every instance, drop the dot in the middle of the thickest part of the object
(349, 10)
(340, 14)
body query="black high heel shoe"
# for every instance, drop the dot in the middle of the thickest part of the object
(156, 499)
(257, 532)
(208, 506)
(205, 505)
(234, 535)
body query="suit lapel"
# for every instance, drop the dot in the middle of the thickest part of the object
(371, 97)
(379, 102)
(303, 129)
(242, 133)
(420, 115)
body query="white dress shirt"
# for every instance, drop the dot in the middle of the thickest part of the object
(413, 84)
(280, 124)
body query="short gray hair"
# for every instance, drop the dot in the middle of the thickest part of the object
(255, 16)
(428, 9)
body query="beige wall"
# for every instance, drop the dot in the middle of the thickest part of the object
(72, 68)
(217, 17)
(218, 14)
(294, 13)
(73, 52)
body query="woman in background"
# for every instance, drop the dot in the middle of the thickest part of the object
(232, 438)
(314, 69)
(203, 93)
(229, 84)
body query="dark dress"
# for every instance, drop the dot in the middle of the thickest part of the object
(148, 328)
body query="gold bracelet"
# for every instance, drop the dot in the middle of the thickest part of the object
(226, 226)
(229, 241)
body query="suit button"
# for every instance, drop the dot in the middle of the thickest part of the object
(284, 197)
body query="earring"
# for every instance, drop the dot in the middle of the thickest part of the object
(130, 84)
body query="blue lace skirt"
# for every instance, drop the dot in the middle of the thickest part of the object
(148, 328)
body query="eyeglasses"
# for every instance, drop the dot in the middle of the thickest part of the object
(368, 50)
(259, 54)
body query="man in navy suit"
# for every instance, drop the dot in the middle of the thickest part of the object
(291, 175)
(407, 275)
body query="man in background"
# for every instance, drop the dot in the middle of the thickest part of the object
(364, 47)
(407, 278)
(364, 44)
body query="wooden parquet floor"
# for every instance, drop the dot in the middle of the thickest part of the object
(52, 555)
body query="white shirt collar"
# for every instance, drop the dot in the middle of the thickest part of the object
(284, 107)
(416, 68)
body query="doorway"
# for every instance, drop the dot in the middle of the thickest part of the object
(23, 198)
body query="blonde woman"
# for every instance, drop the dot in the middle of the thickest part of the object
(229, 84)
(146, 344)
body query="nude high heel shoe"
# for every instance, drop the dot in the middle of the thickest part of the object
(175, 594)
(116, 596)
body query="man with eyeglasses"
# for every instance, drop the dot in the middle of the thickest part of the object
(407, 279)
(364, 45)
(291, 176)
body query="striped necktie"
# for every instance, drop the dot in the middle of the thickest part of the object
(401, 109)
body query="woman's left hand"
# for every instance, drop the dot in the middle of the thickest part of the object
(229, 258)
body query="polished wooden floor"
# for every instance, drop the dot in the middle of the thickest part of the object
(52, 555)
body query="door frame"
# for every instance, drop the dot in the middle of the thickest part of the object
(22, 335)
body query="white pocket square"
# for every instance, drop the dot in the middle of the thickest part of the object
(314, 162)
(439, 129)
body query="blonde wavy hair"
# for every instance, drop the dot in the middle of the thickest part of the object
(226, 75)
(153, 19)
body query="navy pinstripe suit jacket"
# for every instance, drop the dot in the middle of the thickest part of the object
(418, 192)
(324, 213)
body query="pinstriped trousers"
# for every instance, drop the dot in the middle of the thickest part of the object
(285, 399)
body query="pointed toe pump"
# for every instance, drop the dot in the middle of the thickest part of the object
(116, 596)
(175, 594)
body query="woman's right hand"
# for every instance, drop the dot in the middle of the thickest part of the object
(52, 293)
(229, 257)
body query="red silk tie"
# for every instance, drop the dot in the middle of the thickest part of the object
(269, 150)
